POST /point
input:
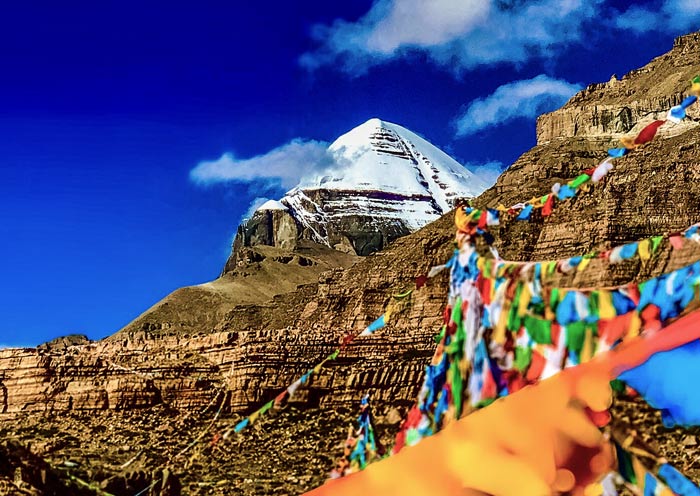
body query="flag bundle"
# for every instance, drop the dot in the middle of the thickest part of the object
(361, 447)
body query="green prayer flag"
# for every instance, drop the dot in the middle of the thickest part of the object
(440, 335)
(593, 304)
(540, 330)
(551, 267)
(583, 178)
(486, 402)
(625, 466)
(456, 387)
(575, 334)
(640, 287)
(403, 295)
(554, 299)
(523, 357)
(267, 406)
(412, 437)
(696, 79)
(617, 385)
(457, 311)
(514, 320)
(655, 242)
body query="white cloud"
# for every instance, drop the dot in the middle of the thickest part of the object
(283, 166)
(637, 19)
(679, 15)
(440, 21)
(487, 172)
(528, 98)
(459, 34)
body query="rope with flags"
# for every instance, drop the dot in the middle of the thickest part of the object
(499, 319)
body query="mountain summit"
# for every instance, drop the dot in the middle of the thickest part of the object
(386, 182)
(386, 157)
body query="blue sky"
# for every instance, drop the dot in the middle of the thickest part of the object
(135, 137)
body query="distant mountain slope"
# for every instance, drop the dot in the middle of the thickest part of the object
(265, 273)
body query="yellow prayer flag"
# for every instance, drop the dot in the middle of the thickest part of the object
(628, 142)
(253, 417)
(499, 333)
(635, 325)
(643, 250)
(525, 297)
(587, 349)
(605, 305)
(584, 263)
(640, 471)
(462, 219)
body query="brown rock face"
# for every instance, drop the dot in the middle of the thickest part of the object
(268, 228)
(332, 224)
(621, 106)
(254, 350)
(342, 224)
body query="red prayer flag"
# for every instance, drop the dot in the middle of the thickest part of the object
(633, 293)
(484, 286)
(647, 134)
(548, 205)
(447, 314)
(536, 367)
(515, 382)
(482, 220)
(556, 333)
(489, 389)
(613, 329)
(676, 242)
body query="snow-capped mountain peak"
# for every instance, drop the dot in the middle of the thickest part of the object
(382, 156)
(386, 182)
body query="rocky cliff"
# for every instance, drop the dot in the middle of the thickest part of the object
(163, 378)
(621, 106)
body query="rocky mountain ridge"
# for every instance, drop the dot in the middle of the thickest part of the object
(623, 106)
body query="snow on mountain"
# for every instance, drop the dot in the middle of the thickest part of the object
(272, 205)
(381, 156)
(386, 182)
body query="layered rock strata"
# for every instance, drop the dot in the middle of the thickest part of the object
(623, 106)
